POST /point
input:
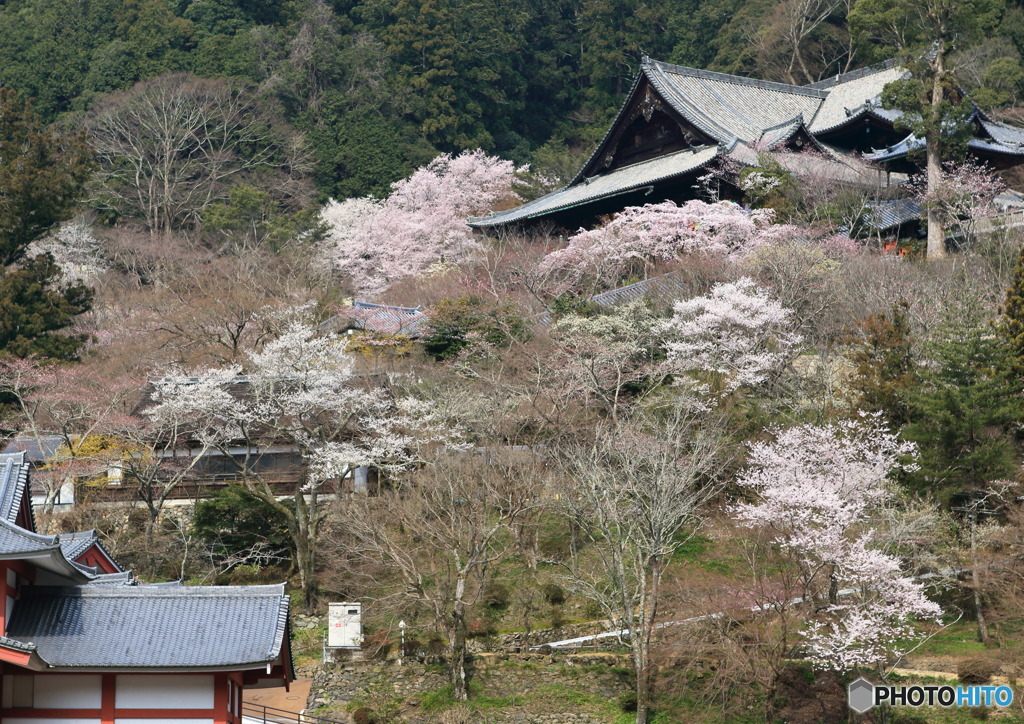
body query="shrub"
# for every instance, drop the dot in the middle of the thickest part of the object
(627, 701)
(554, 594)
(977, 670)
(496, 595)
(557, 617)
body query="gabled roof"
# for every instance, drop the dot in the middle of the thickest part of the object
(152, 627)
(13, 484)
(74, 545)
(45, 551)
(729, 106)
(853, 95)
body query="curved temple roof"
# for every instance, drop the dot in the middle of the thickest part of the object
(727, 115)
(152, 626)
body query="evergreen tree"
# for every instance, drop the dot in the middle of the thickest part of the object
(41, 175)
(1011, 321)
(964, 410)
(884, 368)
(924, 34)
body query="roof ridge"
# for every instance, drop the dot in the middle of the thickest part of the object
(851, 75)
(739, 80)
(157, 589)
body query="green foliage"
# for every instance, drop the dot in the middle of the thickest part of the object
(965, 408)
(770, 186)
(883, 360)
(234, 521)
(41, 176)
(253, 214)
(1011, 320)
(467, 322)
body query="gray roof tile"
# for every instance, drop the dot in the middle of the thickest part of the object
(729, 106)
(852, 98)
(15, 540)
(152, 627)
(621, 180)
(13, 483)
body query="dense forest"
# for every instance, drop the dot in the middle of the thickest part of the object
(381, 87)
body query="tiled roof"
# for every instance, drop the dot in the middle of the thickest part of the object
(729, 106)
(13, 482)
(16, 541)
(853, 97)
(666, 284)
(387, 319)
(890, 214)
(913, 143)
(75, 544)
(1002, 132)
(621, 180)
(36, 450)
(152, 627)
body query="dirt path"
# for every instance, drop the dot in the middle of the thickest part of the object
(277, 698)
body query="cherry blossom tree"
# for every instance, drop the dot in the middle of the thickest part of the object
(737, 333)
(962, 194)
(75, 415)
(608, 359)
(421, 224)
(817, 488)
(299, 390)
(660, 232)
(639, 236)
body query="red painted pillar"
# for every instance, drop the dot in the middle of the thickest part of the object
(107, 699)
(220, 699)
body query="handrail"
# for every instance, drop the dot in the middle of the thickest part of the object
(271, 715)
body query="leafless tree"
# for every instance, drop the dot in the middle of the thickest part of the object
(172, 145)
(636, 494)
(439, 532)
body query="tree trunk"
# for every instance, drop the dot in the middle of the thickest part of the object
(976, 583)
(933, 155)
(302, 526)
(457, 649)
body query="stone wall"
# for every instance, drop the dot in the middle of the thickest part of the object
(521, 642)
(339, 688)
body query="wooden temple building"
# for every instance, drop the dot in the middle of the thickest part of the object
(678, 123)
(83, 642)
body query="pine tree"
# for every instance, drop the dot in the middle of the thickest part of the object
(41, 176)
(964, 410)
(1011, 321)
(883, 362)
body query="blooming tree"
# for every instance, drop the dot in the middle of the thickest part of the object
(816, 489)
(299, 390)
(737, 332)
(660, 232)
(422, 222)
(609, 358)
(965, 191)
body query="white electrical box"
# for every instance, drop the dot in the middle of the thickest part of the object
(344, 625)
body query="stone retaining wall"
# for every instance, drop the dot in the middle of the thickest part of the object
(343, 686)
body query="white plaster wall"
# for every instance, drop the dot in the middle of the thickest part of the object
(69, 691)
(163, 691)
(158, 721)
